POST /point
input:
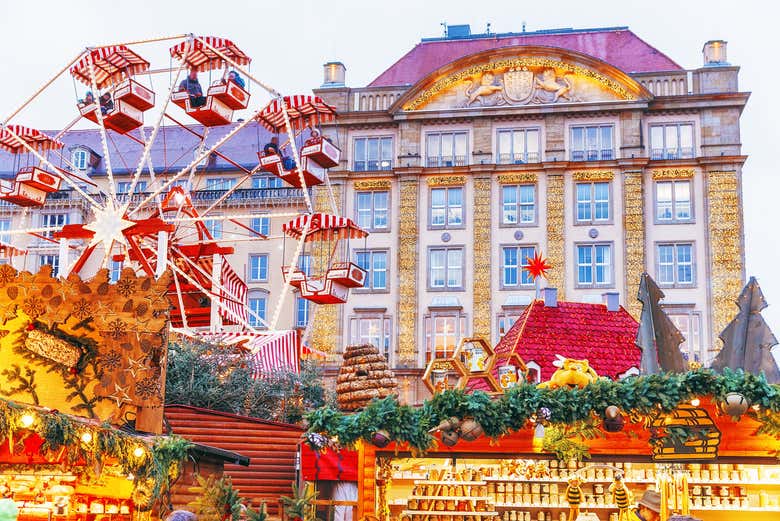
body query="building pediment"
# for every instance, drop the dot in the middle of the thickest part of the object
(521, 76)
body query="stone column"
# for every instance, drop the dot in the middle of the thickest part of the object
(556, 243)
(634, 230)
(407, 271)
(482, 256)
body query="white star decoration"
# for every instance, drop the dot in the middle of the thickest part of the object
(108, 227)
(120, 395)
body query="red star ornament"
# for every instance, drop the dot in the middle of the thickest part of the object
(537, 267)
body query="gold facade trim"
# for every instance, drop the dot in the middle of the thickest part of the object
(593, 175)
(556, 253)
(407, 271)
(673, 173)
(518, 178)
(482, 264)
(634, 226)
(372, 184)
(545, 63)
(447, 180)
(727, 255)
(325, 319)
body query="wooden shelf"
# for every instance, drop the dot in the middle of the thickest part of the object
(448, 513)
(447, 482)
(455, 498)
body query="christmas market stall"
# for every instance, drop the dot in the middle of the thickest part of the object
(81, 396)
(588, 442)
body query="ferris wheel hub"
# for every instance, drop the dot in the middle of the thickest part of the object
(108, 226)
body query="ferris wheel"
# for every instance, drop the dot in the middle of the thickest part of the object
(161, 230)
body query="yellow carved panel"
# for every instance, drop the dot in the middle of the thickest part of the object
(593, 175)
(407, 271)
(447, 180)
(555, 234)
(372, 184)
(634, 226)
(673, 173)
(518, 178)
(482, 264)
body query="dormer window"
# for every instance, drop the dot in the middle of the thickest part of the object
(79, 159)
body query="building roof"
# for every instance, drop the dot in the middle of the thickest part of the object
(617, 46)
(574, 330)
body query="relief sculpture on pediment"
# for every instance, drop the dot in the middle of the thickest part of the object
(519, 87)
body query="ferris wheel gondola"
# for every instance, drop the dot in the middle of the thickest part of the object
(32, 183)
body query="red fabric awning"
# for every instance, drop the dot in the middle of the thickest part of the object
(302, 110)
(35, 138)
(112, 64)
(329, 465)
(201, 54)
(323, 227)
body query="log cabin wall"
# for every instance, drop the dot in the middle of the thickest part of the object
(270, 446)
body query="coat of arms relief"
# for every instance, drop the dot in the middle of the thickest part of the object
(519, 86)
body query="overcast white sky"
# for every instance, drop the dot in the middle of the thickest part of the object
(289, 41)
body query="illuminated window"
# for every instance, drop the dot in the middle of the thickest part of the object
(689, 324)
(372, 329)
(443, 332)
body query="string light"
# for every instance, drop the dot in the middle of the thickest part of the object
(138, 452)
(27, 420)
(695, 402)
(86, 437)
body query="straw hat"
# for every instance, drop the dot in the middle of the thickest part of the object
(652, 500)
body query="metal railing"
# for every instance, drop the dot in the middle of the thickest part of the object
(518, 159)
(445, 161)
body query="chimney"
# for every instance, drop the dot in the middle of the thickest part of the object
(550, 297)
(335, 75)
(611, 300)
(714, 52)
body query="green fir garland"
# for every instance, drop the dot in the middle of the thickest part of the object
(645, 395)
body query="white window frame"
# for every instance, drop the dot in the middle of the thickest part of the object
(446, 267)
(373, 211)
(51, 259)
(689, 314)
(307, 311)
(593, 265)
(223, 183)
(436, 158)
(259, 223)
(256, 295)
(513, 157)
(384, 334)
(432, 320)
(664, 152)
(518, 205)
(592, 202)
(675, 264)
(80, 159)
(673, 186)
(371, 270)
(447, 208)
(255, 272)
(587, 154)
(46, 222)
(384, 143)
(521, 262)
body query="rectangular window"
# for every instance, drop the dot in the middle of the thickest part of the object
(50, 260)
(261, 225)
(518, 204)
(301, 311)
(671, 141)
(446, 149)
(443, 332)
(374, 330)
(304, 263)
(375, 263)
(5, 225)
(220, 183)
(513, 260)
(116, 270)
(123, 187)
(506, 321)
(594, 265)
(518, 146)
(592, 202)
(258, 268)
(445, 268)
(371, 210)
(214, 226)
(689, 324)
(267, 181)
(675, 264)
(257, 305)
(373, 153)
(446, 207)
(592, 143)
(53, 220)
(673, 201)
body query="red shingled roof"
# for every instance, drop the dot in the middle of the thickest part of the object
(574, 330)
(618, 47)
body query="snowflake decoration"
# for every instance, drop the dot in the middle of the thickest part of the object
(148, 387)
(117, 329)
(33, 307)
(82, 309)
(125, 287)
(111, 361)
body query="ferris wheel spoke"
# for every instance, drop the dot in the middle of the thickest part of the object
(111, 200)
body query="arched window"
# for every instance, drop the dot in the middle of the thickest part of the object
(534, 375)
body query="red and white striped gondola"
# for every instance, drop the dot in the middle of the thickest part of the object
(331, 279)
(206, 53)
(317, 154)
(32, 183)
(114, 67)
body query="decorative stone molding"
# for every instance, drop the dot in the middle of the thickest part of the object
(518, 178)
(482, 264)
(726, 257)
(447, 180)
(593, 175)
(634, 229)
(673, 173)
(556, 253)
(372, 184)
(407, 271)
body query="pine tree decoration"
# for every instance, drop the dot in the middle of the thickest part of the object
(747, 340)
(217, 499)
(657, 336)
(363, 376)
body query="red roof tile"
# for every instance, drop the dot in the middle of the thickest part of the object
(618, 47)
(574, 330)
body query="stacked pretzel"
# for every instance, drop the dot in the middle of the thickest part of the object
(363, 376)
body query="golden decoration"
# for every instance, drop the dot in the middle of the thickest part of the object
(537, 62)
(325, 326)
(518, 178)
(727, 264)
(593, 175)
(372, 184)
(407, 271)
(673, 173)
(482, 252)
(556, 253)
(634, 226)
(447, 180)
(53, 348)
